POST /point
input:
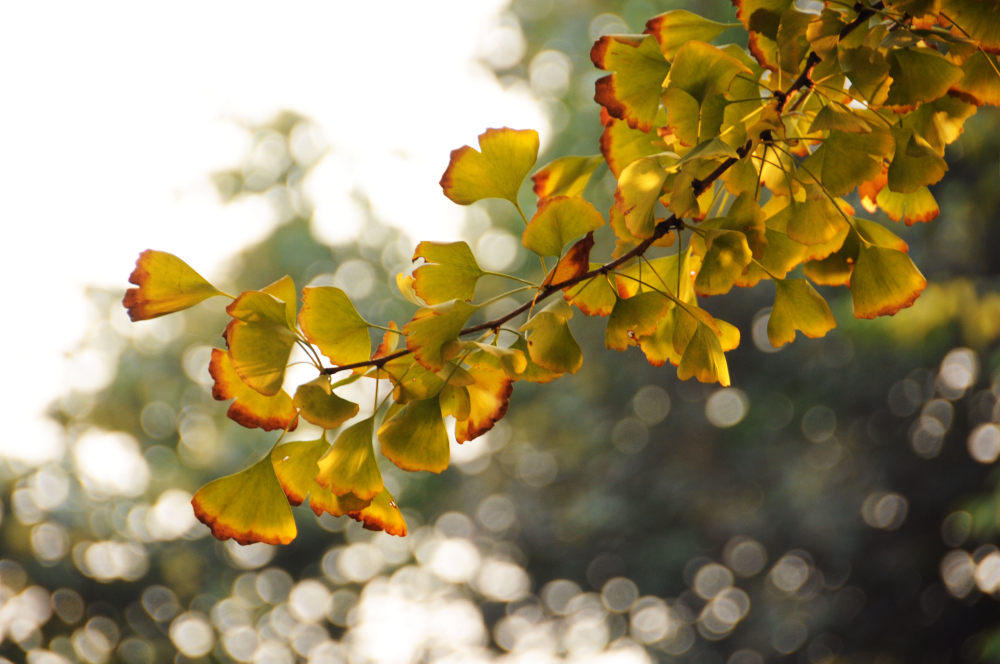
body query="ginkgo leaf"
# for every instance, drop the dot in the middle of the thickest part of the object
(868, 71)
(450, 272)
(330, 321)
(550, 343)
(883, 282)
(797, 306)
(259, 340)
(390, 341)
(382, 514)
(639, 189)
(703, 358)
(658, 347)
(632, 92)
(533, 373)
(248, 506)
(727, 254)
(914, 207)
(877, 234)
(455, 401)
(250, 408)
(573, 264)
(915, 164)
(976, 18)
(979, 83)
(489, 398)
(411, 380)
(414, 438)
(295, 465)
(762, 18)
(594, 296)
(835, 269)
(845, 159)
(566, 176)
(558, 221)
(496, 170)
(919, 75)
(939, 122)
(634, 318)
(165, 284)
(319, 405)
(693, 91)
(511, 360)
(815, 220)
(840, 118)
(621, 145)
(349, 467)
(284, 290)
(675, 28)
(432, 329)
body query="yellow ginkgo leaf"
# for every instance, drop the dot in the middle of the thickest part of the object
(165, 284)
(496, 170)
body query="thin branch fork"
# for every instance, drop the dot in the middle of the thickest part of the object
(662, 228)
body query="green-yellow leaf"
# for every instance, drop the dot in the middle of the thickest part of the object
(883, 282)
(558, 221)
(797, 306)
(621, 145)
(382, 514)
(250, 408)
(915, 163)
(296, 466)
(815, 220)
(703, 358)
(330, 321)
(414, 438)
(248, 506)
(919, 75)
(566, 176)
(550, 343)
(594, 296)
(489, 397)
(632, 92)
(639, 190)
(727, 254)
(349, 467)
(259, 340)
(841, 118)
(675, 28)
(634, 318)
(165, 284)
(496, 170)
(318, 404)
(846, 159)
(431, 331)
(450, 272)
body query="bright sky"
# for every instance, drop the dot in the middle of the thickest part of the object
(115, 113)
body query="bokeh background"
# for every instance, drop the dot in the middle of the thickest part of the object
(838, 504)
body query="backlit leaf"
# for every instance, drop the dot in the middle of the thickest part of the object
(248, 506)
(319, 405)
(634, 318)
(533, 373)
(979, 83)
(835, 269)
(632, 92)
(877, 234)
(727, 253)
(797, 306)
(566, 176)
(295, 465)
(330, 321)
(639, 190)
(414, 438)
(382, 514)
(250, 408)
(883, 282)
(915, 164)
(977, 18)
(489, 398)
(594, 296)
(165, 284)
(675, 28)
(349, 467)
(496, 170)
(259, 340)
(621, 145)
(432, 329)
(550, 343)
(845, 160)
(574, 263)
(558, 221)
(703, 358)
(814, 221)
(835, 117)
(450, 272)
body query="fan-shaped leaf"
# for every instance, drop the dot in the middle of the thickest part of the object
(566, 176)
(450, 272)
(489, 398)
(634, 318)
(432, 329)
(248, 506)
(330, 321)
(797, 306)
(165, 284)
(632, 93)
(349, 467)
(295, 465)
(883, 282)
(414, 438)
(550, 343)
(675, 28)
(496, 170)
(558, 221)
(320, 406)
(259, 340)
(250, 408)
(382, 514)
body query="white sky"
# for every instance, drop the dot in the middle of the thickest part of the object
(115, 113)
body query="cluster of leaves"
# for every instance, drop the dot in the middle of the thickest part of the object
(750, 151)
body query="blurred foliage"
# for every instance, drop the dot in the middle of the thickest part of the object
(839, 504)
